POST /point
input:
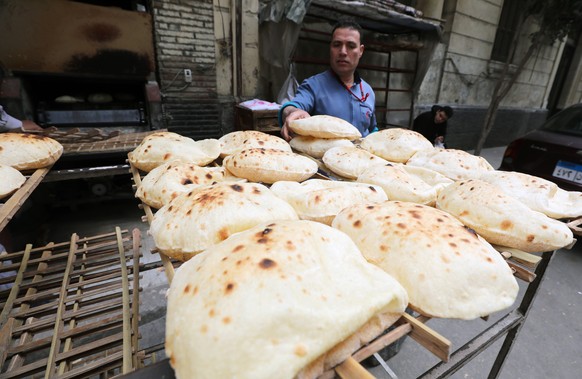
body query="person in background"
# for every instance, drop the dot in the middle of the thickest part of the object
(433, 124)
(11, 124)
(339, 91)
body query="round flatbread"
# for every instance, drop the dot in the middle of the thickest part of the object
(454, 164)
(11, 180)
(270, 166)
(399, 184)
(269, 301)
(316, 147)
(350, 161)
(447, 270)
(321, 200)
(159, 148)
(234, 142)
(166, 182)
(323, 126)
(395, 144)
(24, 151)
(501, 219)
(539, 194)
(194, 221)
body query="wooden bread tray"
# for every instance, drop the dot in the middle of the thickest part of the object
(11, 204)
(73, 307)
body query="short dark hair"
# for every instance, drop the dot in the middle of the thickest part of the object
(347, 23)
(448, 111)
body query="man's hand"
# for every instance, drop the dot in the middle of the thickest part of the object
(293, 114)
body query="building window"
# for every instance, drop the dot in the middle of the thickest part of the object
(508, 24)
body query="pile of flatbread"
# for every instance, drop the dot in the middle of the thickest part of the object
(317, 134)
(396, 144)
(11, 180)
(235, 142)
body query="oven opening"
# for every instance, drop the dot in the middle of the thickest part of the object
(88, 102)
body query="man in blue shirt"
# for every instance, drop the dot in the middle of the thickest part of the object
(339, 91)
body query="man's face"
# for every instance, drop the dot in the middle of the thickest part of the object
(345, 51)
(440, 117)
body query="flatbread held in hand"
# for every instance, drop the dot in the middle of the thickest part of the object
(323, 126)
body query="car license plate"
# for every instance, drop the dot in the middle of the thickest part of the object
(568, 171)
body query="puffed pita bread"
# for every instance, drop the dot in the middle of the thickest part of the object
(350, 161)
(321, 200)
(429, 176)
(447, 270)
(501, 219)
(24, 151)
(234, 142)
(454, 164)
(270, 165)
(196, 220)
(281, 295)
(395, 144)
(11, 180)
(166, 182)
(539, 194)
(323, 126)
(316, 147)
(399, 184)
(159, 148)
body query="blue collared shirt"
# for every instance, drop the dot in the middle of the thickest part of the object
(324, 94)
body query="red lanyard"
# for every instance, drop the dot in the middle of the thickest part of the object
(363, 98)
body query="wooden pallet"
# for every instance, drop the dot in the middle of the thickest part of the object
(73, 308)
(10, 205)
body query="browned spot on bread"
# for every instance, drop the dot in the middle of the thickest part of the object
(445, 259)
(415, 214)
(300, 351)
(401, 225)
(317, 199)
(357, 224)
(452, 244)
(186, 181)
(237, 188)
(223, 233)
(267, 263)
(544, 226)
(489, 260)
(195, 290)
(212, 312)
(530, 238)
(229, 288)
(506, 224)
(187, 288)
(464, 213)
(370, 207)
(238, 248)
(226, 320)
(167, 156)
(290, 246)
(384, 248)
(208, 175)
(189, 212)
(256, 191)
(203, 329)
(372, 189)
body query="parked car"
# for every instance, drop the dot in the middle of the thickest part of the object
(552, 152)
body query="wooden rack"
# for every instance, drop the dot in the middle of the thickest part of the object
(72, 310)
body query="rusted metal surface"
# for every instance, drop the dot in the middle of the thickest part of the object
(71, 37)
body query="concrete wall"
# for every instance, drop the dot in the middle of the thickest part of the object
(463, 76)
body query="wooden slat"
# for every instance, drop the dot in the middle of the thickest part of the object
(127, 357)
(135, 302)
(430, 339)
(13, 204)
(351, 369)
(55, 345)
(15, 287)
